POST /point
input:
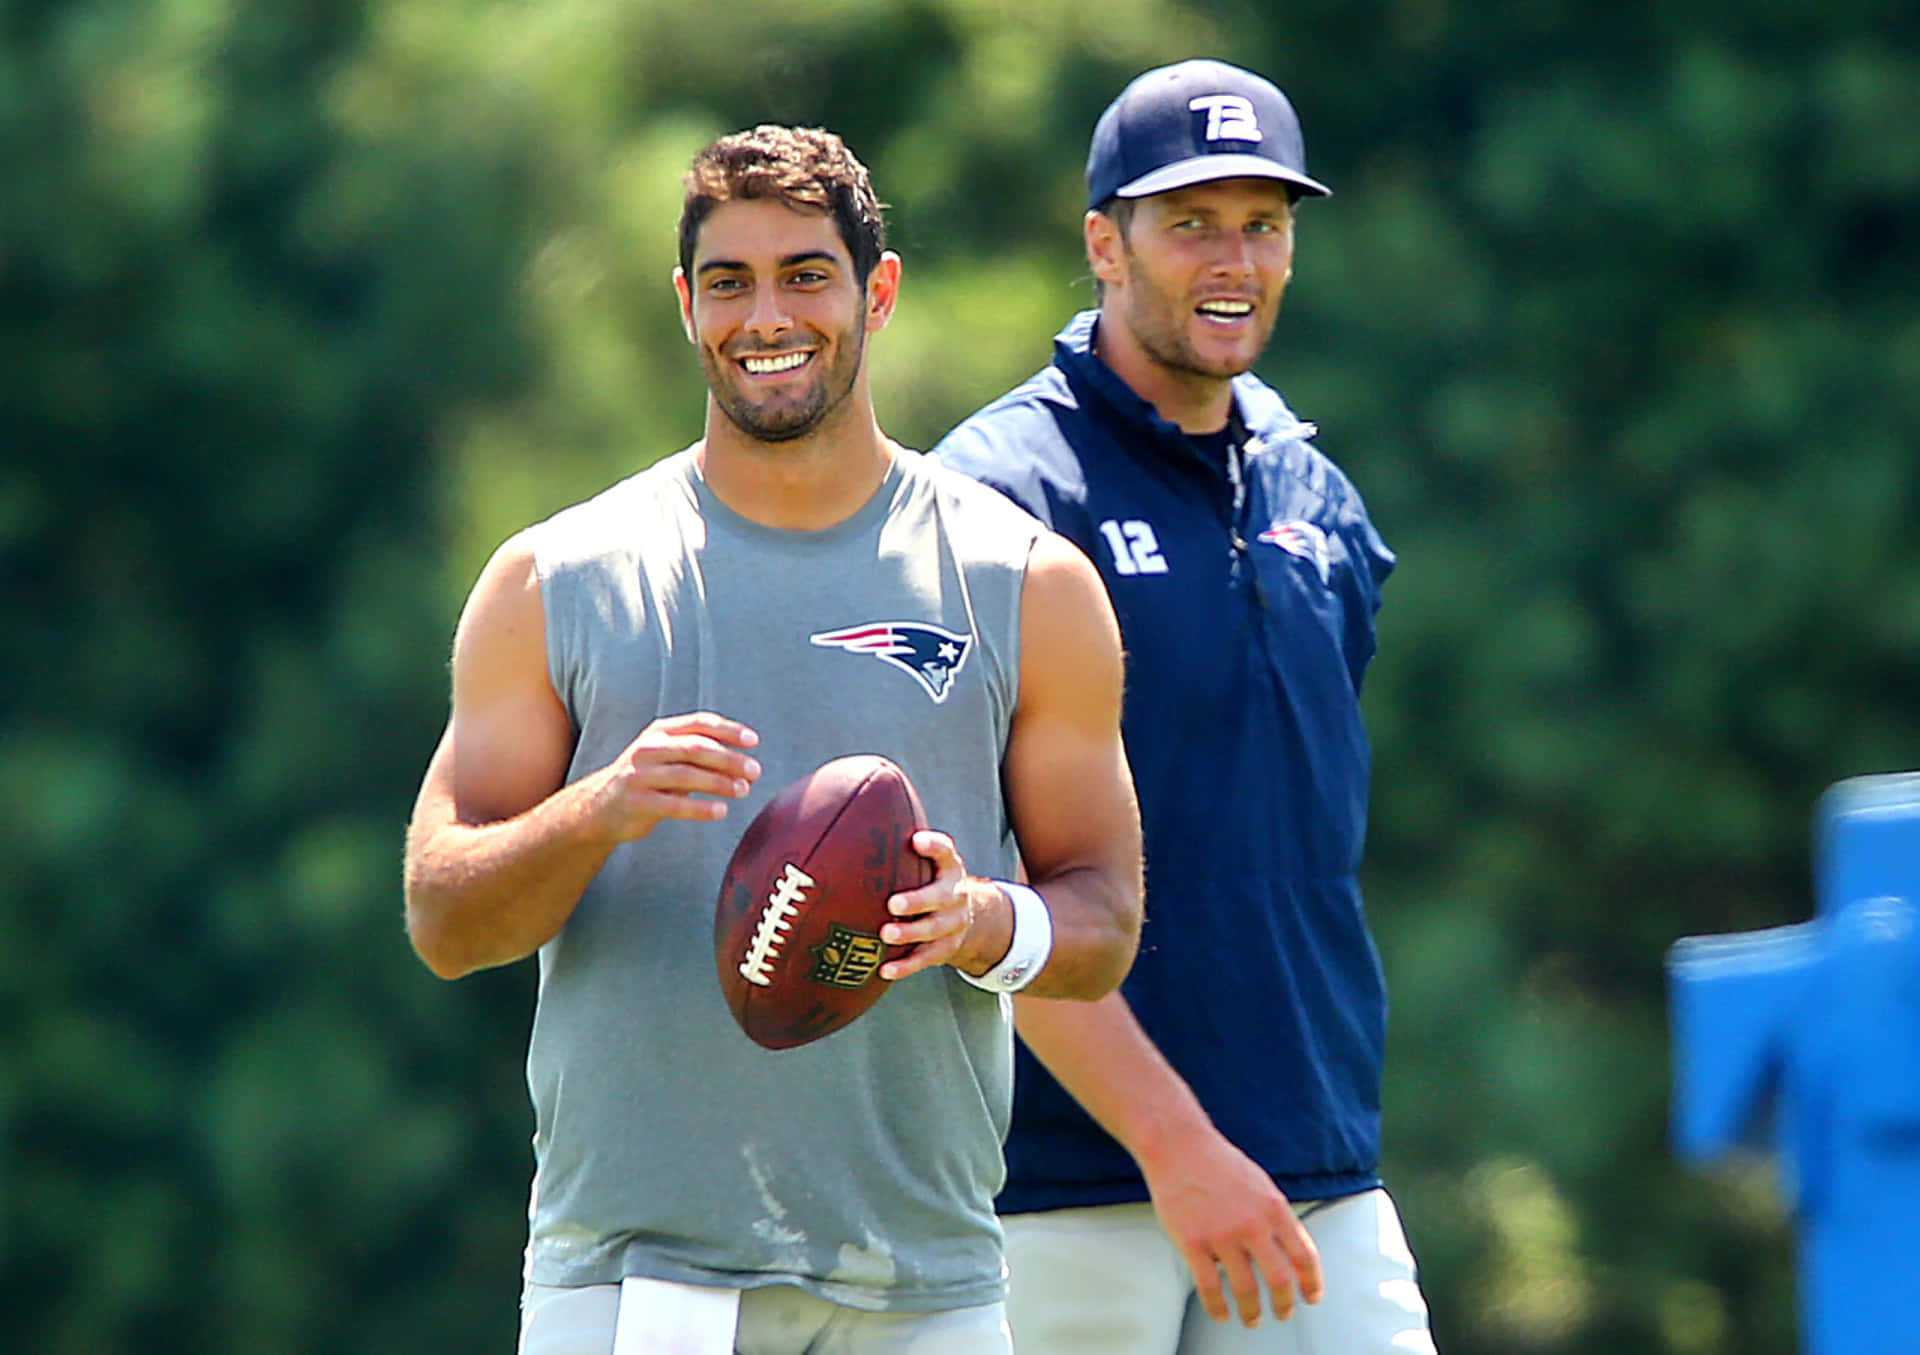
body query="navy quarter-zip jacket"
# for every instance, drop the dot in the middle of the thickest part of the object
(1247, 634)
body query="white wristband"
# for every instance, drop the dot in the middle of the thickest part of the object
(1032, 943)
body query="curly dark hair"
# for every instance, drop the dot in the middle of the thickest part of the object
(805, 167)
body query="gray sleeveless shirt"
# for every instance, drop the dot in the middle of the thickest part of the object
(861, 1167)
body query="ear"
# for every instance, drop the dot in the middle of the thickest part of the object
(883, 291)
(1106, 251)
(685, 292)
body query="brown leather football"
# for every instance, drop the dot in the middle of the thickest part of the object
(796, 929)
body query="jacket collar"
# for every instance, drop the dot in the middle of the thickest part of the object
(1257, 405)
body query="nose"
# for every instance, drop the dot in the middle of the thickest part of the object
(769, 318)
(1235, 256)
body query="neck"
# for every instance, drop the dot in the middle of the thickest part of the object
(802, 484)
(1194, 402)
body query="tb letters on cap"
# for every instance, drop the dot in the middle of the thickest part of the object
(1229, 117)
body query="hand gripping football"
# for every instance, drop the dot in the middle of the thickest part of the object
(796, 930)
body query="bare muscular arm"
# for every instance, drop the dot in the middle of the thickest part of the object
(501, 846)
(1070, 795)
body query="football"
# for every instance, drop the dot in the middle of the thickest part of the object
(796, 929)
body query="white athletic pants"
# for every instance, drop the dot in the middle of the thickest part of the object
(1108, 1280)
(774, 1320)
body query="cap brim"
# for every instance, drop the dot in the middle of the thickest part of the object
(1207, 168)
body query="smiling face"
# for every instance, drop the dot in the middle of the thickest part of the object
(1191, 287)
(779, 317)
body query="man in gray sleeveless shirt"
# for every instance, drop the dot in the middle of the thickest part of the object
(634, 677)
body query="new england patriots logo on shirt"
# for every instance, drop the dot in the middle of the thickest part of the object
(930, 654)
(1304, 540)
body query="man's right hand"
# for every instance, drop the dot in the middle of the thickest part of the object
(1227, 1217)
(678, 767)
(1218, 1206)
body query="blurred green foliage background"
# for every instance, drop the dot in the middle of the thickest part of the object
(303, 306)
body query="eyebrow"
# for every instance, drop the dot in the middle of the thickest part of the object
(1192, 200)
(788, 261)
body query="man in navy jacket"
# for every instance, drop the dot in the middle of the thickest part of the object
(1211, 1131)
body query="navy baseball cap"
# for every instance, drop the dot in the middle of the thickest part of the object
(1193, 122)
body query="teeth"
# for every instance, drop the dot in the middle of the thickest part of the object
(786, 362)
(1228, 308)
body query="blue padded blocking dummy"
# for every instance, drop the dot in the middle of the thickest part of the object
(1733, 1002)
(1816, 1029)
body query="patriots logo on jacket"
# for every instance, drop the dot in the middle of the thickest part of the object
(930, 654)
(1304, 540)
